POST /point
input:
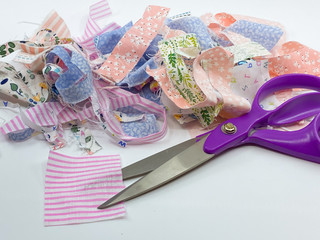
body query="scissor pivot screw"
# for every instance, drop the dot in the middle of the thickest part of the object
(229, 128)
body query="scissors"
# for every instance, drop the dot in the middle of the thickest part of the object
(250, 128)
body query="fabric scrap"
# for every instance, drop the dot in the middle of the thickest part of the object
(172, 51)
(76, 186)
(86, 140)
(247, 51)
(295, 57)
(110, 99)
(248, 77)
(266, 35)
(75, 83)
(97, 11)
(141, 128)
(133, 44)
(139, 75)
(218, 64)
(106, 42)
(193, 25)
(24, 85)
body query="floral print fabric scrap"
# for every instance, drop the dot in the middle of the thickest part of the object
(133, 44)
(172, 51)
(24, 85)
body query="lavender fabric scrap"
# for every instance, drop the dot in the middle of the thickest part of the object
(196, 26)
(106, 42)
(75, 84)
(138, 76)
(141, 128)
(265, 35)
(21, 135)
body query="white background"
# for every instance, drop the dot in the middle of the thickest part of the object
(247, 193)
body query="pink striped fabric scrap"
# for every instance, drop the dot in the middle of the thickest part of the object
(97, 11)
(76, 186)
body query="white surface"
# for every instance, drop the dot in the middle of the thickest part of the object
(247, 193)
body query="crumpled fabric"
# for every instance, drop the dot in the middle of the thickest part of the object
(191, 24)
(191, 95)
(248, 76)
(141, 128)
(133, 44)
(139, 75)
(106, 42)
(228, 59)
(265, 35)
(74, 83)
(97, 11)
(53, 31)
(257, 55)
(24, 85)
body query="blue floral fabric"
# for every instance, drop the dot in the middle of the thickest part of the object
(107, 41)
(196, 26)
(141, 128)
(265, 35)
(75, 84)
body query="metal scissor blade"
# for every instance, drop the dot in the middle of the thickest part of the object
(180, 164)
(150, 163)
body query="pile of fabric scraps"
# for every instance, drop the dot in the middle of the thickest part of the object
(126, 80)
(123, 79)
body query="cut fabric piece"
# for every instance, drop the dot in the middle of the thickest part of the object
(225, 19)
(196, 26)
(160, 75)
(74, 83)
(76, 186)
(266, 35)
(110, 99)
(295, 57)
(24, 85)
(53, 31)
(141, 128)
(182, 82)
(247, 50)
(85, 139)
(133, 44)
(139, 75)
(177, 69)
(55, 23)
(47, 118)
(97, 11)
(106, 42)
(248, 77)
(218, 64)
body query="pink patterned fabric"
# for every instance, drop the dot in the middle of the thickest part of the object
(133, 44)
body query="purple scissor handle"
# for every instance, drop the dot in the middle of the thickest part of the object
(303, 143)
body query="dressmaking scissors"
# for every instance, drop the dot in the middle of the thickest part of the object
(250, 128)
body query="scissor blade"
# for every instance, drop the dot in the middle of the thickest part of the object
(150, 163)
(180, 164)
